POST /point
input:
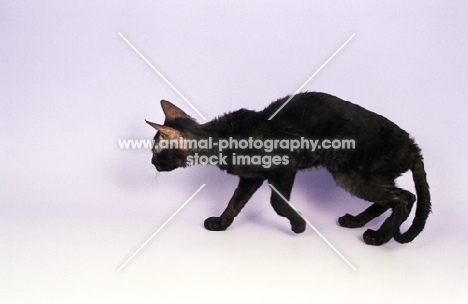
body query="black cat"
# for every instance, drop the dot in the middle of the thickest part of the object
(378, 152)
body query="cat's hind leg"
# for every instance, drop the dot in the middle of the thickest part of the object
(283, 184)
(244, 191)
(382, 192)
(351, 221)
(400, 212)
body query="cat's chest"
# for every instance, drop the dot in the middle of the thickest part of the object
(242, 171)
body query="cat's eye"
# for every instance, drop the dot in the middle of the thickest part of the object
(156, 148)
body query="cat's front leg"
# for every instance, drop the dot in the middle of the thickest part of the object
(244, 191)
(283, 182)
(217, 223)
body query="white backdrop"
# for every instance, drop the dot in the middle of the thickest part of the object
(75, 207)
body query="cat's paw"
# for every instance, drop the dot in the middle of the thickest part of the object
(298, 225)
(217, 223)
(349, 221)
(372, 237)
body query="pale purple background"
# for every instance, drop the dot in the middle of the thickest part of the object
(74, 207)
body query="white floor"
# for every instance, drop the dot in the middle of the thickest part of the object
(66, 253)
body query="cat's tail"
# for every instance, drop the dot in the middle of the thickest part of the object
(423, 205)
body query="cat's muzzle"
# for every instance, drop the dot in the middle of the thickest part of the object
(161, 167)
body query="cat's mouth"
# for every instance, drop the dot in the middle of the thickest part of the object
(164, 169)
(165, 166)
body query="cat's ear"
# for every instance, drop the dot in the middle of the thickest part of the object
(171, 111)
(166, 132)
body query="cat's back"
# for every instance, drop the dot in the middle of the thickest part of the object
(313, 103)
(323, 114)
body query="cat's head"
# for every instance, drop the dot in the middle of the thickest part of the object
(176, 128)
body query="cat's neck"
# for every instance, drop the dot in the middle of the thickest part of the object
(212, 132)
(207, 137)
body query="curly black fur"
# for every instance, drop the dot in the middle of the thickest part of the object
(382, 152)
